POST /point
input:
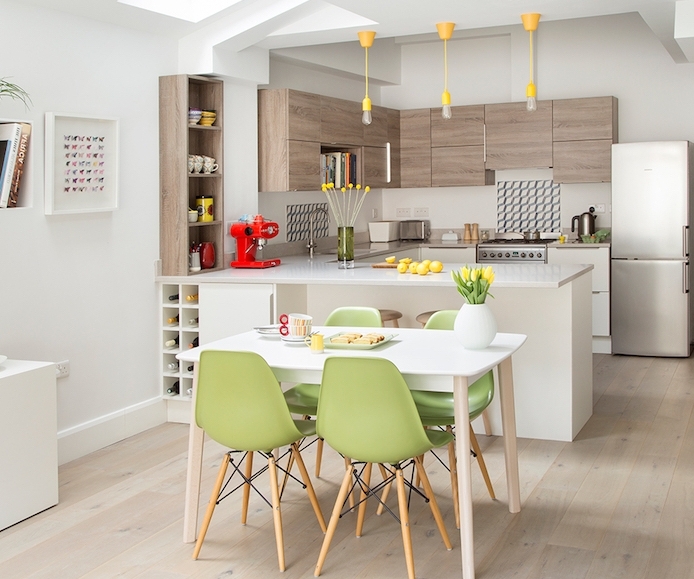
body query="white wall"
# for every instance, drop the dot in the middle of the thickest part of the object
(81, 287)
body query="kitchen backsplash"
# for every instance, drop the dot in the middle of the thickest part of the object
(298, 223)
(528, 206)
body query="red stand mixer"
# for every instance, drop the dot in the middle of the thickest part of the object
(251, 236)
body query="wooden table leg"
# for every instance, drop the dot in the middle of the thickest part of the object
(462, 420)
(196, 439)
(508, 422)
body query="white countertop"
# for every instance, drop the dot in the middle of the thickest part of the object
(323, 270)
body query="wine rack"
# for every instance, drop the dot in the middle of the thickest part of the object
(179, 321)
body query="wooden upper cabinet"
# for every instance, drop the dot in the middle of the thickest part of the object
(518, 138)
(415, 148)
(303, 116)
(394, 141)
(340, 122)
(465, 127)
(375, 167)
(586, 119)
(376, 134)
(584, 130)
(459, 166)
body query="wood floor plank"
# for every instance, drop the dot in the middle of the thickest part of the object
(622, 387)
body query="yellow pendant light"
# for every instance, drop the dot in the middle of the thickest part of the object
(445, 30)
(530, 22)
(366, 39)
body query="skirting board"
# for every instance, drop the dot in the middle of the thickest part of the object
(96, 434)
(602, 345)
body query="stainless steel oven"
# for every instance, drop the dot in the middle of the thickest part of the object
(511, 251)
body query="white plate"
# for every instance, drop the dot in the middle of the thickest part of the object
(273, 329)
(293, 339)
(2, 359)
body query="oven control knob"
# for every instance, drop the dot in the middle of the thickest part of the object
(492, 254)
(531, 255)
(523, 254)
(484, 254)
(508, 254)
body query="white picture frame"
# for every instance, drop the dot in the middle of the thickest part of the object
(81, 164)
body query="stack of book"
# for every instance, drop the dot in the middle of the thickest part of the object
(339, 168)
(14, 143)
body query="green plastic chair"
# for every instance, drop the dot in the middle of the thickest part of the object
(302, 399)
(239, 404)
(436, 409)
(366, 412)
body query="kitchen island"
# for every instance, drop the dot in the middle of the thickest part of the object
(551, 304)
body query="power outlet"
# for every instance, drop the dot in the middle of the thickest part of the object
(374, 213)
(600, 208)
(421, 212)
(62, 369)
(403, 212)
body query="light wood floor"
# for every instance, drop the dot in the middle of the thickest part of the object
(618, 502)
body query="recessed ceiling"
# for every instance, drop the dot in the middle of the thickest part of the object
(190, 10)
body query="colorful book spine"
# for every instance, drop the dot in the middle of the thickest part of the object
(11, 133)
(19, 164)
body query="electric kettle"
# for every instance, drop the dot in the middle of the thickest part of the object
(586, 223)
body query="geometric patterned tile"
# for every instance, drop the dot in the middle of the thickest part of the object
(528, 206)
(297, 221)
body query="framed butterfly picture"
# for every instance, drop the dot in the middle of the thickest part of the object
(81, 156)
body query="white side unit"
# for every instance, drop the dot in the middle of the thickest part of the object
(28, 428)
(599, 256)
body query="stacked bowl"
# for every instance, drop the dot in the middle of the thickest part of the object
(208, 118)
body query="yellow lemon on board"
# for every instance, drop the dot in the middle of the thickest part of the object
(435, 266)
(402, 267)
(406, 260)
(413, 267)
(423, 268)
(390, 259)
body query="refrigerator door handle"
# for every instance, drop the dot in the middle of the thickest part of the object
(685, 240)
(685, 277)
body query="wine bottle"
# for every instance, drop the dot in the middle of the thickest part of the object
(193, 321)
(171, 343)
(172, 365)
(192, 298)
(173, 298)
(189, 392)
(173, 389)
(190, 368)
(194, 343)
(174, 320)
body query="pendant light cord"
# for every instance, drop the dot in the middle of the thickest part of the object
(445, 65)
(366, 70)
(531, 57)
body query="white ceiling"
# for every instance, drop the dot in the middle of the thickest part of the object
(289, 23)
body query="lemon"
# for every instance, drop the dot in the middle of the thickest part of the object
(402, 267)
(406, 260)
(390, 259)
(435, 266)
(423, 268)
(413, 267)
(427, 261)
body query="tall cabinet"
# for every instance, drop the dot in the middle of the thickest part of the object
(180, 188)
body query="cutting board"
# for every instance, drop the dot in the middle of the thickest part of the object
(384, 265)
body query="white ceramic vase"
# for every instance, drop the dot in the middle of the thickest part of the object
(475, 326)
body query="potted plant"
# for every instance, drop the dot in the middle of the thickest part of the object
(8, 89)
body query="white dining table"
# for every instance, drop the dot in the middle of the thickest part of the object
(428, 360)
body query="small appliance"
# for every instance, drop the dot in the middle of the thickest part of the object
(585, 223)
(250, 236)
(414, 230)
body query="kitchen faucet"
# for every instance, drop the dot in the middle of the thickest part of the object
(311, 245)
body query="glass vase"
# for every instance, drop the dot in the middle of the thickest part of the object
(345, 247)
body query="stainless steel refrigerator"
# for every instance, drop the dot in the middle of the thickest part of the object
(651, 219)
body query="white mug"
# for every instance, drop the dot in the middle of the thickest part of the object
(191, 163)
(209, 168)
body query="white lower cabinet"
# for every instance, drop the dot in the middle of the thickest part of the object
(599, 257)
(450, 254)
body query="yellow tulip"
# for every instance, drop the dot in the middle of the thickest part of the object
(474, 274)
(465, 271)
(487, 273)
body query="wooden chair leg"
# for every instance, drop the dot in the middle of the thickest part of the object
(362, 498)
(276, 511)
(487, 423)
(386, 491)
(334, 518)
(247, 487)
(453, 467)
(480, 461)
(433, 504)
(348, 466)
(319, 456)
(405, 523)
(309, 487)
(213, 503)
